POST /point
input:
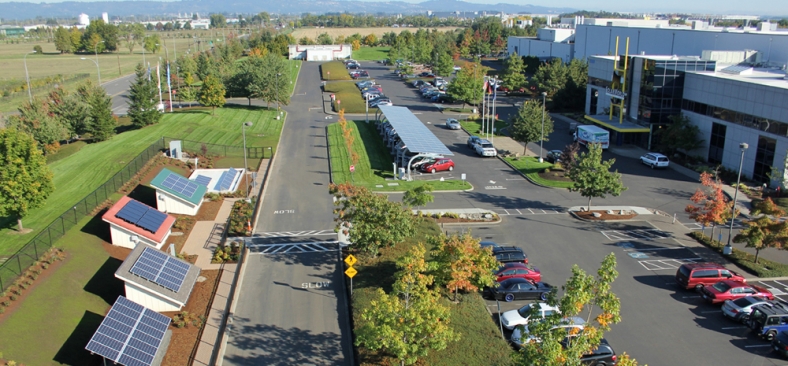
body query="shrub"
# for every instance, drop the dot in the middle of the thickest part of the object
(5, 303)
(240, 216)
(12, 297)
(764, 267)
(546, 170)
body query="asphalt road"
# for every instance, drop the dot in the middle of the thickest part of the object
(118, 90)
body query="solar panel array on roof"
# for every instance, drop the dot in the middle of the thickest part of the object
(203, 180)
(416, 136)
(147, 218)
(180, 184)
(226, 180)
(161, 269)
(736, 69)
(130, 334)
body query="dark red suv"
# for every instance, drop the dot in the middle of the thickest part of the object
(697, 275)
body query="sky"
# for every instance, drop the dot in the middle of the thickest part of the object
(737, 7)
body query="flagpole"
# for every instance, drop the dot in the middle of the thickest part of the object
(158, 81)
(169, 85)
(494, 116)
(484, 110)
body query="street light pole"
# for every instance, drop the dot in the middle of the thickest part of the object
(95, 49)
(246, 165)
(728, 249)
(27, 77)
(541, 140)
(97, 67)
(277, 91)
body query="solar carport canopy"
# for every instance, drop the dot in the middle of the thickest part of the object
(416, 136)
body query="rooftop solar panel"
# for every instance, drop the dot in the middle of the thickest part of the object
(203, 180)
(147, 218)
(179, 184)
(130, 334)
(226, 180)
(161, 269)
(414, 134)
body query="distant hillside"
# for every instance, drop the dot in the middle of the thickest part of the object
(19, 11)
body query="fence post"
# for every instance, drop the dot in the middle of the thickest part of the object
(19, 264)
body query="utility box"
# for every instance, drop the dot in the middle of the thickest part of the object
(176, 151)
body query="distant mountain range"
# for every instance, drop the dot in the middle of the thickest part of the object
(19, 10)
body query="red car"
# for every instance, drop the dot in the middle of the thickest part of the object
(438, 166)
(518, 270)
(732, 290)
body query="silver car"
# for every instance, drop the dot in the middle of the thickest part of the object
(740, 309)
(452, 124)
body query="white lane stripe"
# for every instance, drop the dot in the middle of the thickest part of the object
(728, 328)
(758, 345)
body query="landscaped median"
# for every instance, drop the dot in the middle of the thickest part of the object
(334, 70)
(474, 126)
(374, 169)
(349, 95)
(539, 173)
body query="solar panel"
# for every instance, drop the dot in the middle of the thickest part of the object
(203, 180)
(151, 220)
(161, 269)
(147, 218)
(179, 184)
(130, 334)
(413, 132)
(736, 69)
(226, 180)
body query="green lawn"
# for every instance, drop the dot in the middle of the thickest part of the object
(375, 164)
(103, 160)
(475, 126)
(531, 167)
(348, 93)
(58, 318)
(334, 70)
(371, 53)
(480, 339)
(295, 67)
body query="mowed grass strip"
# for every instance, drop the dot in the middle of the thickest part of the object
(531, 167)
(475, 126)
(334, 70)
(349, 96)
(480, 339)
(87, 169)
(371, 53)
(374, 168)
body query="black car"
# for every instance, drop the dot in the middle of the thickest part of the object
(489, 244)
(519, 289)
(780, 343)
(604, 355)
(509, 254)
(554, 156)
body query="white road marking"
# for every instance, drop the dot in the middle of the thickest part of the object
(278, 234)
(518, 211)
(758, 345)
(306, 247)
(690, 297)
(729, 328)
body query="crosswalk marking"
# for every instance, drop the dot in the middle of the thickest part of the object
(665, 264)
(283, 234)
(647, 234)
(306, 247)
(528, 211)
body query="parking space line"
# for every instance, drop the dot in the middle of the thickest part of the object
(530, 210)
(691, 297)
(772, 289)
(507, 212)
(518, 211)
(758, 345)
(729, 328)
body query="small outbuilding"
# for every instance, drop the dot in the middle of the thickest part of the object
(218, 180)
(132, 222)
(320, 52)
(176, 194)
(156, 279)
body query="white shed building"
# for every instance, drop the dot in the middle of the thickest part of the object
(176, 194)
(131, 222)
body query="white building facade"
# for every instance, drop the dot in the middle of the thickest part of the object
(320, 52)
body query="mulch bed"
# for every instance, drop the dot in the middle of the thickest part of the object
(184, 340)
(589, 215)
(556, 175)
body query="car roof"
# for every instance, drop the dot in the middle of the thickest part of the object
(772, 308)
(514, 280)
(704, 265)
(514, 265)
(485, 141)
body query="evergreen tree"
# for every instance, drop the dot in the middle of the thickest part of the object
(102, 123)
(37, 120)
(72, 111)
(144, 100)
(526, 125)
(514, 73)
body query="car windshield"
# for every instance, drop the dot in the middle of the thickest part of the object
(744, 302)
(487, 145)
(721, 287)
(525, 311)
(758, 316)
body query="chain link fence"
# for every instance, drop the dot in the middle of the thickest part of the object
(206, 149)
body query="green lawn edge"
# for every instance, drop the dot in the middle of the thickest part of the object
(531, 167)
(371, 53)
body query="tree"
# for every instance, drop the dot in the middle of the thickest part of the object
(370, 220)
(680, 134)
(526, 125)
(76, 39)
(410, 321)
(186, 66)
(573, 93)
(460, 263)
(71, 110)
(592, 177)
(468, 85)
(151, 43)
(324, 38)
(102, 123)
(212, 93)
(355, 45)
(218, 21)
(25, 178)
(37, 120)
(444, 66)
(188, 25)
(569, 154)
(143, 95)
(550, 77)
(766, 230)
(583, 295)
(419, 196)
(370, 40)
(513, 72)
(713, 207)
(63, 40)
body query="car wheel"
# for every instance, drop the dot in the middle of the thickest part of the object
(543, 296)
(509, 297)
(698, 287)
(451, 168)
(770, 335)
(652, 166)
(432, 171)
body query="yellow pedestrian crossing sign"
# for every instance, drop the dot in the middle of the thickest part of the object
(350, 272)
(351, 260)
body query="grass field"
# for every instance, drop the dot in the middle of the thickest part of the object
(480, 340)
(349, 95)
(371, 53)
(314, 32)
(375, 165)
(475, 126)
(334, 70)
(531, 167)
(103, 160)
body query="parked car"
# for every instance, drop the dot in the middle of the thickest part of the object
(780, 343)
(418, 83)
(374, 93)
(554, 156)
(452, 124)
(438, 165)
(473, 140)
(444, 98)
(732, 290)
(518, 270)
(379, 102)
(509, 254)
(523, 315)
(604, 355)
(426, 75)
(769, 319)
(440, 82)
(521, 336)
(519, 289)
(456, 68)
(364, 84)
(372, 87)
(488, 244)
(421, 160)
(697, 275)
(353, 66)
(485, 148)
(740, 309)
(655, 160)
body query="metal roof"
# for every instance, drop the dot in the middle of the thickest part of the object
(416, 136)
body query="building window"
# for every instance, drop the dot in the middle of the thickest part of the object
(764, 158)
(727, 115)
(717, 142)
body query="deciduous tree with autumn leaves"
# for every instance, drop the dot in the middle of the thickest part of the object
(765, 230)
(711, 206)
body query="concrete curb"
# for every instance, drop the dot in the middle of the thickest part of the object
(523, 174)
(572, 213)
(240, 270)
(271, 165)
